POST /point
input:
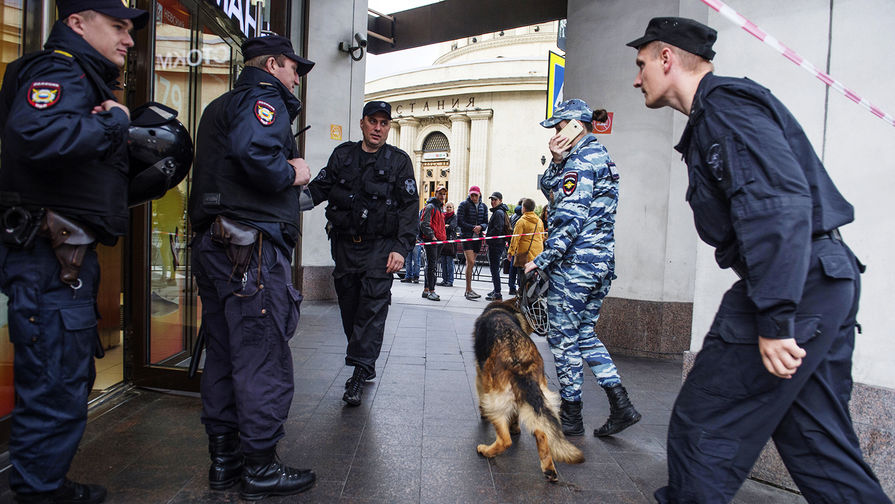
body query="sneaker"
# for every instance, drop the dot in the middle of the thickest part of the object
(425, 294)
(493, 296)
(472, 295)
(406, 280)
(512, 293)
(416, 279)
(433, 297)
(444, 284)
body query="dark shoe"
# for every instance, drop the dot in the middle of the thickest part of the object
(494, 296)
(472, 295)
(433, 297)
(570, 416)
(425, 294)
(621, 412)
(512, 293)
(69, 493)
(367, 378)
(406, 280)
(416, 279)
(445, 284)
(264, 475)
(355, 388)
(226, 460)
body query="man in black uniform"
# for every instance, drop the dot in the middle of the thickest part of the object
(244, 208)
(777, 359)
(372, 213)
(63, 186)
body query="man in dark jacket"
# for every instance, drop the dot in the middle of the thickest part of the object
(64, 156)
(777, 359)
(472, 218)
(246, 183)
(511, 277)
(372, 210)
(497, 226)
(432, 229)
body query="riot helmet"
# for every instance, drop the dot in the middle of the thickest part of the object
(533, 301)
(160, 151)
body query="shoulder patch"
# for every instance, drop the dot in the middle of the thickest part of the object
(569, 183)
(410, 186)
(265, 113)
(613, 171)
(43, 94)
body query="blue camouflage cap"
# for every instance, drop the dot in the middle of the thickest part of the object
(569, 109)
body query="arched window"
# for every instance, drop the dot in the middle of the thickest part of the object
(436, 141)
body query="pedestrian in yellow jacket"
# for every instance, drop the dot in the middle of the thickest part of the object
(525, 248)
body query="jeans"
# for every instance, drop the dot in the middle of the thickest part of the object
(495, 254)
(447, 268)
(412, 266)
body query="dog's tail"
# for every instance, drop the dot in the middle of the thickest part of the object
(539, 410)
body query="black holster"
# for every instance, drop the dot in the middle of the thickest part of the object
(70, 241)
(238, 240)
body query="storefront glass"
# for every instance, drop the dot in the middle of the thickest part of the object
(11, 16)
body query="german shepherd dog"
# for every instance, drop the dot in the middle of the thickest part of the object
(512, 387)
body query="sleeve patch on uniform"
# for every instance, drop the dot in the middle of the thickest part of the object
(613, 171)
(715, 161)
(569, 183)
(410, 186)
(44, 94)
(265, 113)
(321, 175)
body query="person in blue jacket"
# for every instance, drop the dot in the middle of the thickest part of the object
(776, 362)
(246, 183)
(64, 153)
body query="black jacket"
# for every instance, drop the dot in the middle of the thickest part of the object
(56, 153)
(470, 215)
(243, 146)
(758, 193)
(374, 201)
(497, 226)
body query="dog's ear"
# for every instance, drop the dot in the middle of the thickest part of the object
(512, 307)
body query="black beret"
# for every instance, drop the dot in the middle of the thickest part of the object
(274, 45)
(689, 35)
(113, 8)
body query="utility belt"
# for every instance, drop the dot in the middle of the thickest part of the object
(69, 238)
(238, 240)
(355, 238)
(827, 235)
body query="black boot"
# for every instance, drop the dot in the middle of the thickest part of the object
(621, 412)
(570, 416)
(355, 387)
(226, 460)
(69, 493)
(264, 475)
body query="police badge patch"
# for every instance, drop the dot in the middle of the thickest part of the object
(569, 183)
(265, 113)
(410, 186)
(44, 94)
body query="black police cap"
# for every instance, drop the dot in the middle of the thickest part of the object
(378, 106)
(274, 45)
(112, 8)
(687, 34)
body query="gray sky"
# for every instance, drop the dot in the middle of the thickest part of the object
(391, 63)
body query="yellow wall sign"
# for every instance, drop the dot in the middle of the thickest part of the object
(556, 71)
(335, 132)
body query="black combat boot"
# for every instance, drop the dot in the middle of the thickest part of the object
(226, 460)
(69, 493)
(355, 387)
(264, 475)
(621, 412)
(570, 416)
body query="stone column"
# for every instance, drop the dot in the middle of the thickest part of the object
(409, 127)
(394, 134)
(478, 147)
(457, 180)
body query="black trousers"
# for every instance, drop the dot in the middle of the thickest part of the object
(495, 254)
(364, 290)
(730, 404)
(431, 265)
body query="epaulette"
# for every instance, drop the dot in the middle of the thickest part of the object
(345, 144)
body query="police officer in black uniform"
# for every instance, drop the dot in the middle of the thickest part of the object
(777, 359)
(63, 186)
(372, 215)
(244, 208)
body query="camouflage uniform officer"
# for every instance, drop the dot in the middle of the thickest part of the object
(579, 257)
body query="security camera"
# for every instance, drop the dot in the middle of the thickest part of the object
(360, 40)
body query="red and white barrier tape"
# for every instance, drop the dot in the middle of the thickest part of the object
(791, 55)
(480, 238)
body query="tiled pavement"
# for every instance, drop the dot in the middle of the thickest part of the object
(412, 440)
